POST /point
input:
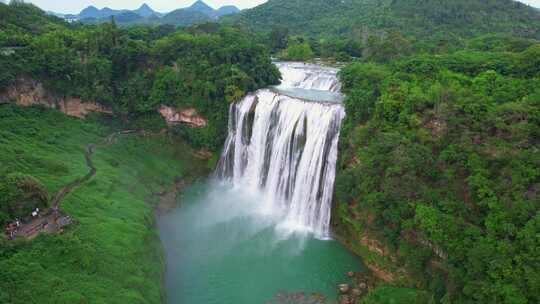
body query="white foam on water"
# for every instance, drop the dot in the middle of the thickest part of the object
(285, 148)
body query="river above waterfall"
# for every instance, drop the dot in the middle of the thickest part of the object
(259, 232)
(309, 82)
(223, 246)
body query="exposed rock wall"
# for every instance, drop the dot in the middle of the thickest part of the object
(189, 116)
(27, 92)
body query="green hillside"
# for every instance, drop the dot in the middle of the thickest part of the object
(112, 254)
(183, 17)
(19, 19)
(418, 17)
(439, 164)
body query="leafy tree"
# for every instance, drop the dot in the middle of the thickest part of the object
(279, 38)
(298, 52)
(20, 194)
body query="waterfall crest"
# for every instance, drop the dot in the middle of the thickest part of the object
(285, 145)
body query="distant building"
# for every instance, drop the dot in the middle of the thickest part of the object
(10, 50)
(71, 18)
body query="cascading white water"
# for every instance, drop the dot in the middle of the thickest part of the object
(307, 76)
(286, 147)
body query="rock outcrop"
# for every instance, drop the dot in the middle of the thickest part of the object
(27, 92)
(188, 116)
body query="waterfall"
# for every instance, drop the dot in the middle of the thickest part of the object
(283, 143)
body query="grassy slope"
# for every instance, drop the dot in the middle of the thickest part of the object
(112, 255)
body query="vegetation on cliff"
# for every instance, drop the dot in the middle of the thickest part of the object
(138, 69)
(111, 254)
(440, 165)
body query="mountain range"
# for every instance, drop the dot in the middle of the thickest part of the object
(197, 13)
(92, 12)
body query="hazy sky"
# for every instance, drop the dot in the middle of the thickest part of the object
(532, 2)
(75, 6)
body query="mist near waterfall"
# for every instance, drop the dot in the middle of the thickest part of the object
(260, 228)
(286, 147)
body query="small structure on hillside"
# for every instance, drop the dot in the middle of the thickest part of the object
(10, 50)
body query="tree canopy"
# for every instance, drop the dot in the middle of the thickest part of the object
(135, 70)
(440, 162)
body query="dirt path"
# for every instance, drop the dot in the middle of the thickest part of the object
(53, 220)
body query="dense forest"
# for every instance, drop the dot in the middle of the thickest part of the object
(440, 164)
(373, 28)
(422, 18)
(135, 70)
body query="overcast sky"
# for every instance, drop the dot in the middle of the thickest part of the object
(75, 6)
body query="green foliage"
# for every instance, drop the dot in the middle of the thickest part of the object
(425, 18)
(382, 30)
(392, 295)
(530, 61)
(279, 38)
(111, 254)
(135, 70)
(442, 152)
(19, 19)
(20, 194)
(298, 52)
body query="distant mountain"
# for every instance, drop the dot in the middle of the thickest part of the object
(127, 17)
(146, 11)
(202, 8)
(94, 12)
(183, 17)
(198, 12)
(415, 17)
(227, 10)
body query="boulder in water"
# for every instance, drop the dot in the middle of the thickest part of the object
(344, 288)
(345, 299)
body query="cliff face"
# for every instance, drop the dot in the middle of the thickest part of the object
(378, 258)
(189, 116)
(27, 92)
